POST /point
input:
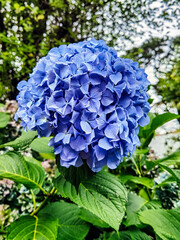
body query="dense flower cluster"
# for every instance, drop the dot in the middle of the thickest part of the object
(89, 99)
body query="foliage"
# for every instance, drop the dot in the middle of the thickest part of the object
(169, 86)
(79, 204)
(28, 29)
(163, 55)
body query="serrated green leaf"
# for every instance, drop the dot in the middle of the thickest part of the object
(4, 119)
(134, 204)
(21, 142)
(43, 227)
(93, 219)
(71, 226)
(102, 194)
(129, 235)
(138, 180)
(41, 145)
(14, 167)
(154, 204)
(164, 222)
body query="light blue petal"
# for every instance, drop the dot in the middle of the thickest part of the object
(111, 131)
(105, 144)
(86, 127)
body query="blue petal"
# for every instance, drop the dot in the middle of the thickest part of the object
(86, 127)
(59, 137)
(78, 143)
(66, 139)
(115, 78)
(100, 152)
(144, 120)
(105, 144)
(111, 131)
(107, 98)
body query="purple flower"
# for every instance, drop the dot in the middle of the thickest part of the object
(90, 100)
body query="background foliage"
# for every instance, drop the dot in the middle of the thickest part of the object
(42, 200)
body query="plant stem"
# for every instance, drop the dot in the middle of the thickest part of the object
(44, 191)
(43, 202)
(33, 199)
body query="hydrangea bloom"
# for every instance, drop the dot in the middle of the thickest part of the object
(90, 100)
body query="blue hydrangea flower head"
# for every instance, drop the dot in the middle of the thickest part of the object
(90, 100)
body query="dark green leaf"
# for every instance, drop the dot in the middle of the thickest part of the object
(21, 142)
(4, 119)
(43, 227)
(14, 167)
(102, 194)
(164, 222)
(71, 226)
(75, 175)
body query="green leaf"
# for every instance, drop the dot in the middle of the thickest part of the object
(43, 227)
(174, 172)
(129, 235)
(140, 151)
(40, 145)
(143, 194)
(156, 122)
(164, 222)
(93, 219)
(139, 180)
(14, 167)
(154, 204)
(102, 194)
(21, 142)
(134, 204)
(32, 160)
(71, 226)
(75, 175)
(4, 119)
(172, 159)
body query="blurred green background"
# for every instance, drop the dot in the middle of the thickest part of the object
(143, 30)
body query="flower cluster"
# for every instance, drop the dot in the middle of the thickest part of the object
(90, 100)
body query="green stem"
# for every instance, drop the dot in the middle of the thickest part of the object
(33, 199)
(139, 160)
(43, 202)
(135, 164)
(148, 193)
(44, 191)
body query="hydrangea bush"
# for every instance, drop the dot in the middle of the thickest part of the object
(90, 100)
(91, 107)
